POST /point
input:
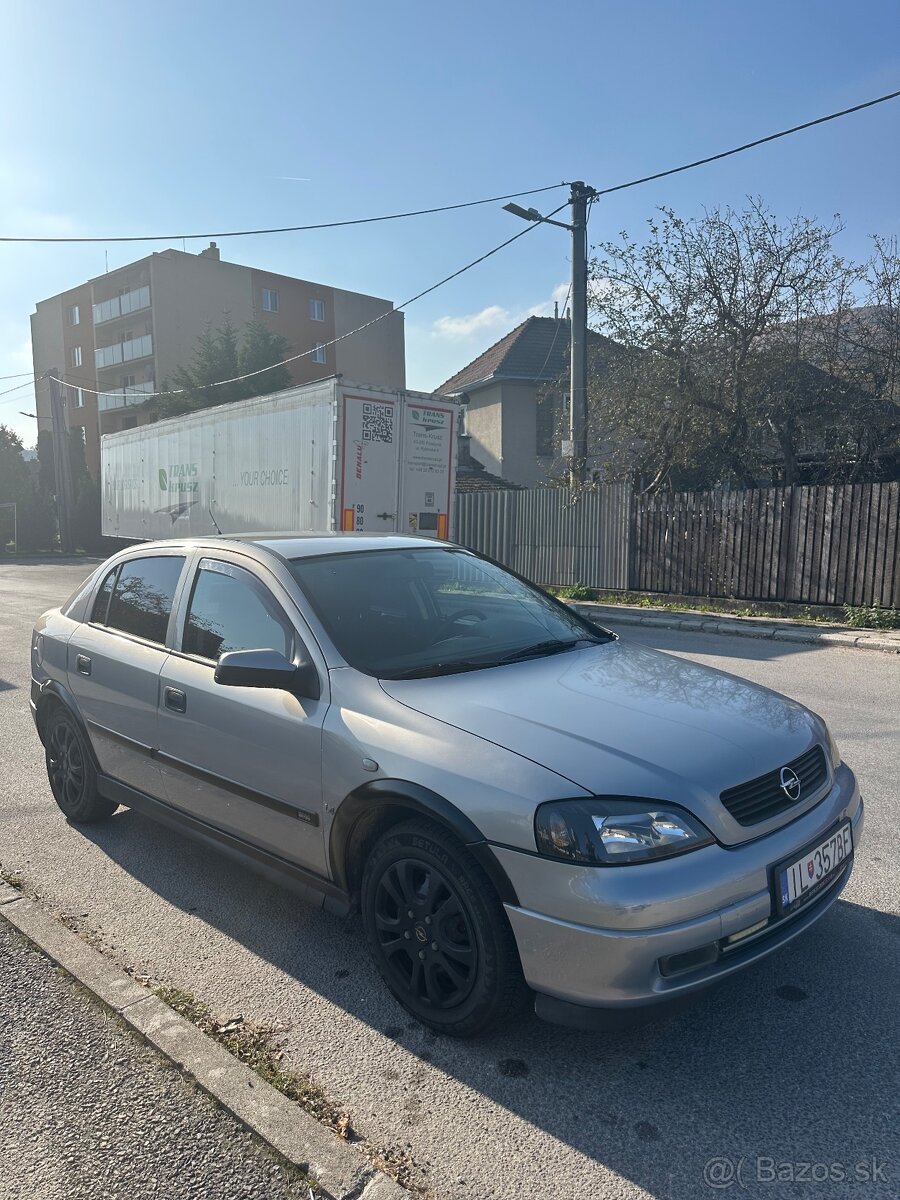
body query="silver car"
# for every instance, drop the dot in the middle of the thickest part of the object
(512, 797)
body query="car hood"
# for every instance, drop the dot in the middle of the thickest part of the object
(619, 719)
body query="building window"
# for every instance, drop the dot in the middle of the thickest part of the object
(317, 310)
(76, 356)
(269, 300)
(74, 314)
(319, 353)
(545, 419)
(78, 397)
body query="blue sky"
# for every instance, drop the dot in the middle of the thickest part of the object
(186, 117)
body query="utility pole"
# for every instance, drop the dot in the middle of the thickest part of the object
(575, 447)
(578, 406)
(62, 466)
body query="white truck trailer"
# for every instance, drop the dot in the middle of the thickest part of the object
(323, 456)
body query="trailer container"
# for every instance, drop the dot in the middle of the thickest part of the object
(323, 456)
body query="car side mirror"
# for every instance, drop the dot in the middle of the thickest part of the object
(267, 669)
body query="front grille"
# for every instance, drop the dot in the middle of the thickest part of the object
(750, 803)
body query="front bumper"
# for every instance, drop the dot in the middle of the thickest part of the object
(620, 933)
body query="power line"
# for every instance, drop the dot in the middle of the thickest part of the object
(159, 237)
(174, 237)
(18, 387)
(18, 375)
(350, 333)
(700, 162)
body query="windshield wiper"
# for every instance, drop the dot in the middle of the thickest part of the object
(537, 650)
(442, 668)
(551, 646)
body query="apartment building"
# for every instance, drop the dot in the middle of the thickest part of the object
(127, 331)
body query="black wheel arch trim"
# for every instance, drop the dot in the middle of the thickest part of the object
(53, 688)
(417, 800)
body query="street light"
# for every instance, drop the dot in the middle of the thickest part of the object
(527, 214)
(579, 194)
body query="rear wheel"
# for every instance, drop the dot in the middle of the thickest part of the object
(438, 933)
(73, 779)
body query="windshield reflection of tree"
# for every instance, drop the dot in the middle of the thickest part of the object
(634, 671)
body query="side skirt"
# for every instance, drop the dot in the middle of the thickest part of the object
(312, 887)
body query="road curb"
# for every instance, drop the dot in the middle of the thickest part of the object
(771, 629)
(340, 1172)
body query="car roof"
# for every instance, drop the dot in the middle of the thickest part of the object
(302, 544)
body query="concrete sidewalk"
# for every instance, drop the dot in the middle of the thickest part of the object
(87, 1111)
(56, 1043)
(774, 628)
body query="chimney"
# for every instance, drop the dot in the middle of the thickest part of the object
(556, 309)
(211, 251)
(463, 450)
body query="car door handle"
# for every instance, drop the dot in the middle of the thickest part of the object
(175, 699)
(82, 664)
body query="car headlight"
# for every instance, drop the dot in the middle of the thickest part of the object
(615, 830)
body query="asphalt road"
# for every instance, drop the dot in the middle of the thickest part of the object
(789, 1072)
(87, 1111)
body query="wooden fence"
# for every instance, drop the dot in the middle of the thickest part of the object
(808, 545)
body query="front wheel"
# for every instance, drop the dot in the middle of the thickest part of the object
(70, 770)
(438, 933)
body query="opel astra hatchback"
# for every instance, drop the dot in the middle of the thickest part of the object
(512, 797)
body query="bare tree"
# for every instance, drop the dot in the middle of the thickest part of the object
(720, 372)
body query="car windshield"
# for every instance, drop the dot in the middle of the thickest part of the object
(407, 614)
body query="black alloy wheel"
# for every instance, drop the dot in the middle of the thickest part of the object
(425, 933)
(65, 764)
(438, 932)
(70, 769)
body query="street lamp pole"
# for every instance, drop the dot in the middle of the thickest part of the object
(576, 448)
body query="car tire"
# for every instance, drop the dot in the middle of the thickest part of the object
(70, 769)
(438, 932)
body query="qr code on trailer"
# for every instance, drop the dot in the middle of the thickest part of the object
(378, 423)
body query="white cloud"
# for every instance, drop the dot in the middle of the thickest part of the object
(492, 317)
(496, 319)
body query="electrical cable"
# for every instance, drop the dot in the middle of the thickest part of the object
(700, 162)
(160, 237)
(350, 333)
(18, 387)
(177, 237)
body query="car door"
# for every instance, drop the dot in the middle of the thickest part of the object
(114, 662)
(246, 760)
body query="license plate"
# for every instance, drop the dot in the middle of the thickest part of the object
(798, 880)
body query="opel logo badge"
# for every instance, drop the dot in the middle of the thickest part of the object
(421, 933)
(790, 783)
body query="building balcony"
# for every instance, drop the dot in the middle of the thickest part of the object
(136, 394)
(121, 306)
(123, 352)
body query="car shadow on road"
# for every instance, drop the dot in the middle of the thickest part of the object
(795, 1061)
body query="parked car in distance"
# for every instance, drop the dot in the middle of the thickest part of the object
(517, 801)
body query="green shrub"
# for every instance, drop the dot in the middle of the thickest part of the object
(872, 616)
(577, 591)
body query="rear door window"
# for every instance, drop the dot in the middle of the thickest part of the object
(142, 599)
(231, 610)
